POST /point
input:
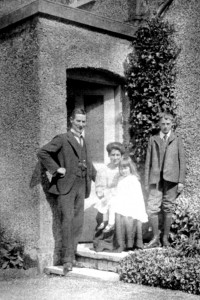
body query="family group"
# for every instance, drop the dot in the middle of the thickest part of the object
(121, 207)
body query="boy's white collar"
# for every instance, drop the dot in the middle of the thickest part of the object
(162, 134)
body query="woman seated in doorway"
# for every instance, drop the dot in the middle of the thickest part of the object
(121, 206)
(105, 184)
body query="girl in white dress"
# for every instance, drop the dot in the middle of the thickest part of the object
(129, 206)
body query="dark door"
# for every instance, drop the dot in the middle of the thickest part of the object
(94, 132)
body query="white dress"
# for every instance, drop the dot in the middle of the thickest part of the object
(106, 182)
(129, 199)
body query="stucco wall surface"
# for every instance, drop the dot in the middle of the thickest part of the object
(185, 15)
(65, 46)
(114, 9)
(78, 47)
(9, 5)
(19, 129)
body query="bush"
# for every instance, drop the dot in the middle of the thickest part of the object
(166, 268)
(185, 229)
(11, 254)
(176, 268)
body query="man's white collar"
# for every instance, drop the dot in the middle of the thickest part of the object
(77, 133)
(162, 134)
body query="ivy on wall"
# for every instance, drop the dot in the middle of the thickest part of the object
(150, 72)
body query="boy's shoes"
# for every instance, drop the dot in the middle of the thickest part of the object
(155, 242)
(108, 228)
(166, 243)
(67, 267)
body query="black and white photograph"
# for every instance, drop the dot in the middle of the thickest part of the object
(99, 149)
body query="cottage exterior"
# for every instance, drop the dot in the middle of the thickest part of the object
(55, 55)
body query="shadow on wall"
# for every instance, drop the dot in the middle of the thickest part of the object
(41, 176)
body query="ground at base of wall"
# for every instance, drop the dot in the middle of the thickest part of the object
(6, 274)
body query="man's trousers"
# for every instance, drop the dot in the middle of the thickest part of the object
(72, 216)
(161, 197)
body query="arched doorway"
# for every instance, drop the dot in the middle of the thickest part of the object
(100, 94)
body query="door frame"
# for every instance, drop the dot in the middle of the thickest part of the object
(113, 131)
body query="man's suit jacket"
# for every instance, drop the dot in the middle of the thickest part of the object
(64, 151)
(174, 160)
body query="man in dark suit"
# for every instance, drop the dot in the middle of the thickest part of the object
(66, 158)
(164, 177)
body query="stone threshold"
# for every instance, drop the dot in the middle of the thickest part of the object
(104, 261)
(83, 273)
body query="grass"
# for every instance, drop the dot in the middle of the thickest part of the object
(43, 287)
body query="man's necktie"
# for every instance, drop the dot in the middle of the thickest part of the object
(165, 140)
(165, 137)
(81, 140)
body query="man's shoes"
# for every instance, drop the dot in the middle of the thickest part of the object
(155, 242)
(77, 264)
(67, 267)
(139, 244)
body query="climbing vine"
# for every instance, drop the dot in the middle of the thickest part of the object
(150, 71)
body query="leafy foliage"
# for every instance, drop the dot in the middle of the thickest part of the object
(11, 254)
(150, 82)
(164, 268)
(176, 267)
(185, 230)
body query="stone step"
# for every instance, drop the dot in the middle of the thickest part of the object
(104, 261)
(83, 273)
(99, 265)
